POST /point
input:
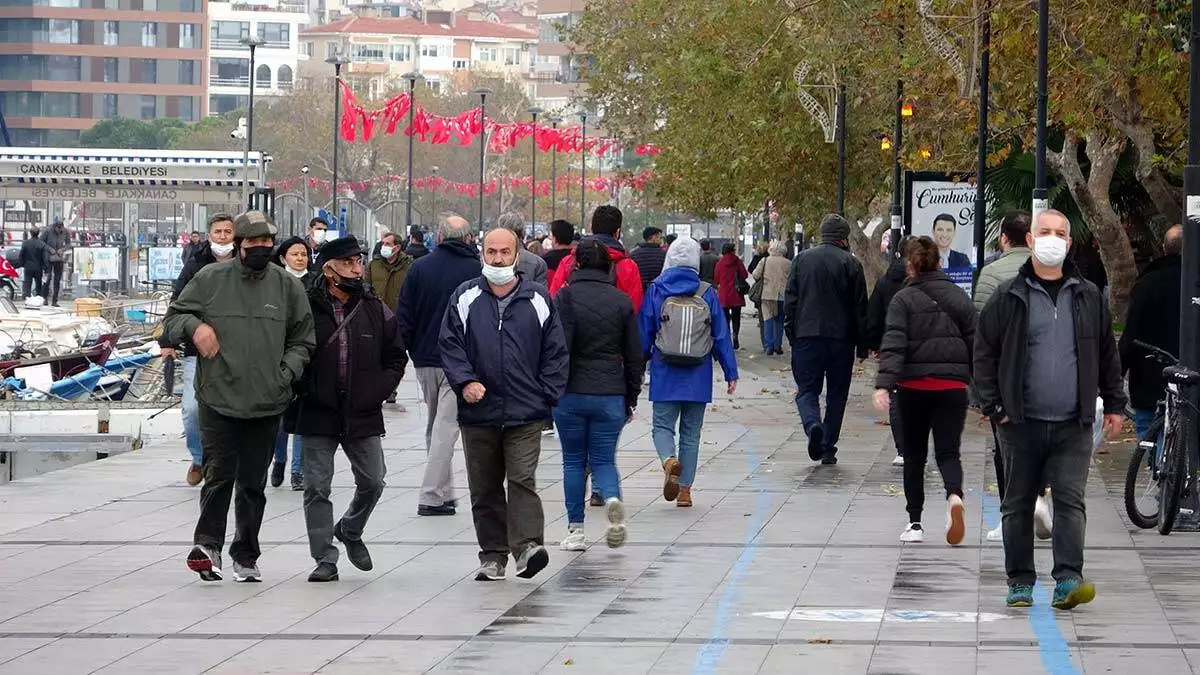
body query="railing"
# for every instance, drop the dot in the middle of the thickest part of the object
(276, 44)
(225, 43)
(229, 81)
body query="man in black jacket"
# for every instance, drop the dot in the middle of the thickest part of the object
(877, 307)
(825, 310)
(1154, 319)
(35, 260)
(58, 240)
(423, 300)
(358, 362)
(649, 255)
(562, 232)
(708, 262)
(218, 248)
(1043, 350)
(318, 230)
(416, 243)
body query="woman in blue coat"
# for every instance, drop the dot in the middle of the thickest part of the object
(681, 383)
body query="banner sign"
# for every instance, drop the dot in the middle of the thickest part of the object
(942, 206)
(165, 263)
(122, 193)
(109, 167)
(97, 264)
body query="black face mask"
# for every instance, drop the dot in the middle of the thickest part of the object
(256, 257)
(350, 286)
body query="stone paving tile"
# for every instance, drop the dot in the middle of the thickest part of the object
(501, 658)
(73, 656)
(284, 656)
(11, 648)
(178, 657)
(380, 656)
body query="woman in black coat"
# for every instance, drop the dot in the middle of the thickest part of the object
(292, 255)
(601, 333)
(926, 357)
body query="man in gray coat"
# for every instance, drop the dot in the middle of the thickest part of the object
(529, 265)
(58, 240)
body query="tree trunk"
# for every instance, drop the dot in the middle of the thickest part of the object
(865, 248)
(1166, 198)
(1091, 194)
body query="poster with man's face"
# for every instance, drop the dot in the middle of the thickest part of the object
(944, 210)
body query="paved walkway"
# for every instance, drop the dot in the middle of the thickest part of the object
(781, 567)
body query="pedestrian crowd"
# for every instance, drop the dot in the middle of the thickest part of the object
(512, 339)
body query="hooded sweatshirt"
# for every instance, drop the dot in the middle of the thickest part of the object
(629, 279)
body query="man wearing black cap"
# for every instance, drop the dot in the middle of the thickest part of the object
(359, 360)
(825, 312)
(251, 324)
(58, 240)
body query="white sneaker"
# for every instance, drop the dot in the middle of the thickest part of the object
(913, 534)
(898, 460)
(956, 526)
(1043, 518)
(996, 534)
(616, 533)
(574, 540)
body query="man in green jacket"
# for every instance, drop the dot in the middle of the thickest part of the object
(253, 328)
(1013, 254)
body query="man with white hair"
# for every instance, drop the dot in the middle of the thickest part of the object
(529, 265)
(423, 299)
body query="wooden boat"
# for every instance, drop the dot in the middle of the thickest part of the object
(63, 366)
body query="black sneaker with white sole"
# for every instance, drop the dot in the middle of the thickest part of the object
(246, 573)
(531, 561)
(490, 571)
(206, 562)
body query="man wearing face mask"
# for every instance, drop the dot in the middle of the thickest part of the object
(318, 229)
(359, 360)
(505, 356)
(252, 327)
(218, 248)
(1043, 350)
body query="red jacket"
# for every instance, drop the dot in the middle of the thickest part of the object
(729, 270)
(629, 279)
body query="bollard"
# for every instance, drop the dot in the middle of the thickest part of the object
(102, 416)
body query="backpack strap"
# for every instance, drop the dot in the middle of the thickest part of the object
(702, 289)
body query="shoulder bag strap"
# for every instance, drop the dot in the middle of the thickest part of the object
(961, 333)
(341, 327)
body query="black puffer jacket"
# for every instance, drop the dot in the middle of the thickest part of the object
(601, 333)
(649, 259)
(877, 307)
(930, 333)
(1153, 318)
(376, 361)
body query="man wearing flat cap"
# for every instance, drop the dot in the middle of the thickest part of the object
(358, 362)
(252, 327)
(825, 313)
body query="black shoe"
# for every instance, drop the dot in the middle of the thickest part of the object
(391, 397)
(452, 504)
(297, 482)
(829, 458)
(816, 439)
(206, 562)
(443, 510)
(356, 551)
(596, 500)
(325, 572)
(533, 560)
(277, 474)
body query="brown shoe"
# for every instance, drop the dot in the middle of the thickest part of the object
(671, 470)
(685, 497)
(194, 475)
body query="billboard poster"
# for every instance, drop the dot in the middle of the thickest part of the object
(942, 206)
(97, 264)
(165, 263)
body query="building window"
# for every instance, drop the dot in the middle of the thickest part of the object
(489, 54)
(149, 107)
(187, 36)
(309, 49)
(64, 31)
(228, 34)
(110, 106)
(229, 72)
(402, 52)
(331, 50)
(368, 52)
(187, 72)
(149, 5)
(61, 105)
(434, 84)
(461, 64)
(148, 69)
(284, 75)
(262, 76)
(187, 5)
(149, 34)
(219, 104)
(38, 67)
(112, 33)
(512, 57)
(433, 51)
(111, 70)
(277, 35)
(187, 108)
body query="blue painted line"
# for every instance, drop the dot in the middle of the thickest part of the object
(713, 649)
(1056, 655)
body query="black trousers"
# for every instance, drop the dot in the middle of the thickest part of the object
(53, 282)
(733, 315)
(32, 282)
(944, 414)
(237, 455)
(504, 524)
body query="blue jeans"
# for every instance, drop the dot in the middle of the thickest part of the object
(690, 417)
(190, 410)
(773, 333)
(588, 427)
(1142, 419)
(818, 362)
(281, 450)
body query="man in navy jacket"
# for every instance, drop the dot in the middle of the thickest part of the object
(423, 299)
(504, 354)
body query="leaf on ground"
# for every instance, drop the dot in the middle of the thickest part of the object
(883, 423)
(569, 662)
(820, 641)
(892, 490)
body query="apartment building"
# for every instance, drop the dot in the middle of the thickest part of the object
(64, 64)
(556, 68)
(276, 61)
(441, 45)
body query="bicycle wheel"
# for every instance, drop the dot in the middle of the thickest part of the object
(1172, 476)
(1141, 483)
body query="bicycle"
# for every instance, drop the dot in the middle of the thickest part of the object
(1169, 466)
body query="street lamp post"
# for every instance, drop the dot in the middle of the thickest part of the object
(1040, 202)
(307, 204)
(338, 60)
(482, 93)
(981, 170)
(412, 79)
(253, 42)
(433, 209)
(840, 121)
(897, 212)
(534, 112)
(583, 167)
(1189, 325)
(554, 122)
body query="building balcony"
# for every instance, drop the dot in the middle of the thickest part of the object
(553, 89)
(241, 82)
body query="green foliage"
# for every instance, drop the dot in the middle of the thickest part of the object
(126, 133)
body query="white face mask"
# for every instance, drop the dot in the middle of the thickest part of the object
(386, 251)
(499, 275)
(221, 250)
(1050, 250)
(297, 273)
(319, 236)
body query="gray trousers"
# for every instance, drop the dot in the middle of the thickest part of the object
(441, 433)
(366, 462)
(1036, 453)
(504, 525)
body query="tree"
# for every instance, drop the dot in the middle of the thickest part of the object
(126, 133)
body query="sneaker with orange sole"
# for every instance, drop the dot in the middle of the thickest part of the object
(956, 526)
(685, 497)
